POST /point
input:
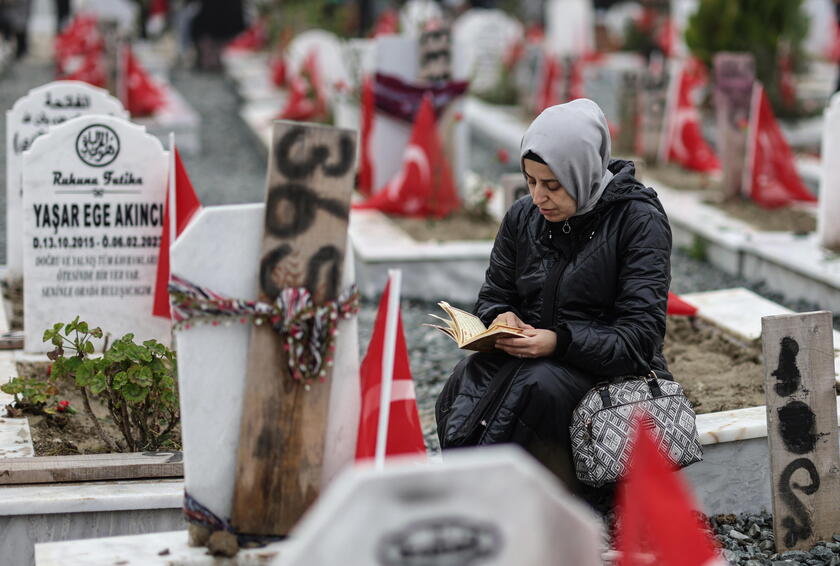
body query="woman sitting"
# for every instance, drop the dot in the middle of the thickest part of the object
(583, 267)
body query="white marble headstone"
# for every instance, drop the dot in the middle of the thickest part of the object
(416, 13)
(490, 507)
(330, 57)
(122, 12)
(395, 55)
(31, 116)
(399, 55)
(212, 359)
(483, 37)
(570, 28)
(829, 201)
(93, 197)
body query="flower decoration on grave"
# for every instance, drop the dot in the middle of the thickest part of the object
(308, 331)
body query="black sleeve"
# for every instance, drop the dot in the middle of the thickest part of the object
(498, 293)
(628, 344)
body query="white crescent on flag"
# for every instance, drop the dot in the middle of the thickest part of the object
(413, 154)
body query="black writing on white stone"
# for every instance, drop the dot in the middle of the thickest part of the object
(97, 215)
(77, 101)
(97, 145)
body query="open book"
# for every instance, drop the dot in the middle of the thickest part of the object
(469, 332)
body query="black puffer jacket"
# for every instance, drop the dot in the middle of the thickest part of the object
(603, 287)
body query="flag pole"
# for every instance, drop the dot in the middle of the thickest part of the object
(170, 194)
(391, 320)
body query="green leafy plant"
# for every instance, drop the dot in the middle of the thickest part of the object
(769, 29)
(30, 393)
(137, 382)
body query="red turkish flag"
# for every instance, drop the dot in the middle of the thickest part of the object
(365, 183)
(143, 95)
(771, 179)
(91, 71)
(405, 435)
(313, 73)
(298, 107)
(656, 517)
(252, 39)
(679, 307)
(186, 205)
(684, 142)
(423, 186)
(547, 94)
(576, 79)
(278, 71)
(80, 37)
(386, 24)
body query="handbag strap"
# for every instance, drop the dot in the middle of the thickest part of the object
(603, 388)
(496, 388)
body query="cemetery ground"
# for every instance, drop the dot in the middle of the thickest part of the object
(231, 169)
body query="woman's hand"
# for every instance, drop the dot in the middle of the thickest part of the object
(536, 343)
(510, 319)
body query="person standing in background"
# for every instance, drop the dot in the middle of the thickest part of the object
(215, 23)
(14, 20)
(62, 14)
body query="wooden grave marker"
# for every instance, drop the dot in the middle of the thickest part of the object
(653, 96)
(801, 428)
(281, 443)
(734, 79)
(514, 187)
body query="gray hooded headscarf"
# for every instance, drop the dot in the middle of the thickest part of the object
(574, 141)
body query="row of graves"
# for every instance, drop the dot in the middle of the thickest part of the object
(272, 410)
(275, 405)
(739, 160)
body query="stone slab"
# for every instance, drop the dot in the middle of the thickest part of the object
(15, 439)
(164, 549)
(90, 497)
(258, 116)
(431, 270)
(176, 116)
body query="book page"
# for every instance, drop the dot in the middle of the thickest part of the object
(468, 325)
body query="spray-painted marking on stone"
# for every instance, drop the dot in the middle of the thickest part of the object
(787, 373)
(318, 156)
(797, 427)
(801, 529)
(797, 423)
(291, 210)
(304, 203)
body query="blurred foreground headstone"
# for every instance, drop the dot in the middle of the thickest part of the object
(482, 507)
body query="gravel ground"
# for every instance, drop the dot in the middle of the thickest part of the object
(748, 540)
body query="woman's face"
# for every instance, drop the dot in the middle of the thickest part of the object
(548, 194)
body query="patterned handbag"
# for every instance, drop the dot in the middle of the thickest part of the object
(601, 428)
